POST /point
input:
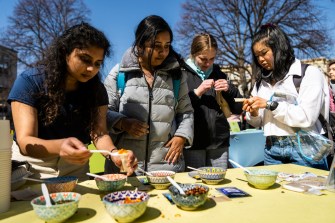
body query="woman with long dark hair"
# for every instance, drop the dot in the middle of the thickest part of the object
(148, 116)
(293, 109)
(60, 105)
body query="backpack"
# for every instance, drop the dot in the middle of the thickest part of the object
(121, 84)
(328, 127)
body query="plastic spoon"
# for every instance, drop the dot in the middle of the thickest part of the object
(97, 176)
(174, 183)
(46, 195)
(32, 179)
(192, 168)
(245, 169)
(143, 171)
(103, 151)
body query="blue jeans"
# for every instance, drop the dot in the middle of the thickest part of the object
(281, 150)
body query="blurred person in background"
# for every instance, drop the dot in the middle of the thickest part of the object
(206, 81)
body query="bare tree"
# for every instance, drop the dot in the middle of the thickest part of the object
(234, 23)
(35, 23)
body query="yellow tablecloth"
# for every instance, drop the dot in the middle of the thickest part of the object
(273, 205)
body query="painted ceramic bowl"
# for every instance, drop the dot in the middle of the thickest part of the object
(212, 173)
(61, 184)
(260, 178)
(66, 205)
(161, 186)
(115, 182)
(159, 176)
(196, 195)
(126, 206)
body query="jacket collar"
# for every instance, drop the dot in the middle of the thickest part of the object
(129, 62)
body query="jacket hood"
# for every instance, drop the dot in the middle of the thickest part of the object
(129, 62)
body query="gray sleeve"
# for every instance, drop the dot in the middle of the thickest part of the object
(113, 115)
(184, 113)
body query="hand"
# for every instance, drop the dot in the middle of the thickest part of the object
(176, 145)
(131, 162)
(221, 85)
(134, 127)
(74, 151)
(204, 87)
(253, 104)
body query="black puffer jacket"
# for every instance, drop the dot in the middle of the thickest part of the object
(211, 128)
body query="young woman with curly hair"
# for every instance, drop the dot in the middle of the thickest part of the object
(60, 105)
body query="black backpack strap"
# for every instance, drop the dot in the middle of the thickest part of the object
(297, 79)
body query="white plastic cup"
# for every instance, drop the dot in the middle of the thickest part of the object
(5, 182)
(5, 137)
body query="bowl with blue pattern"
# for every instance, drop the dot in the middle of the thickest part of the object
(261, 178)
(114, 182)
(61, 184)
(126, 206)
(212, 175)
(195, 196)
(160, 176)
(66, 204)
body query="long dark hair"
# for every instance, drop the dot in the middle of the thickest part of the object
(80, 36)
(283, 54)
(147, 30)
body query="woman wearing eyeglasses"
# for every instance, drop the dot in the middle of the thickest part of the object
(205, 80)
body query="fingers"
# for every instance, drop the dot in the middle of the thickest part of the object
(74, 151)
(132, 163)
(75, 143)
(137, 128)
(173, 155)
(221, 85)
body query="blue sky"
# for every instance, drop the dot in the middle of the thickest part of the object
(119, 18)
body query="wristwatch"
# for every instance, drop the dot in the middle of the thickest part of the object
(271, 105)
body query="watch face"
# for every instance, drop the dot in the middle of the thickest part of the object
(273, 105)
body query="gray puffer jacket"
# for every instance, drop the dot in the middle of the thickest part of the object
(157, 107)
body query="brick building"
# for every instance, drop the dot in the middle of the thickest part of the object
(8, 71)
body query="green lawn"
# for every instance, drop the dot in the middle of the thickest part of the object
(97, 161)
